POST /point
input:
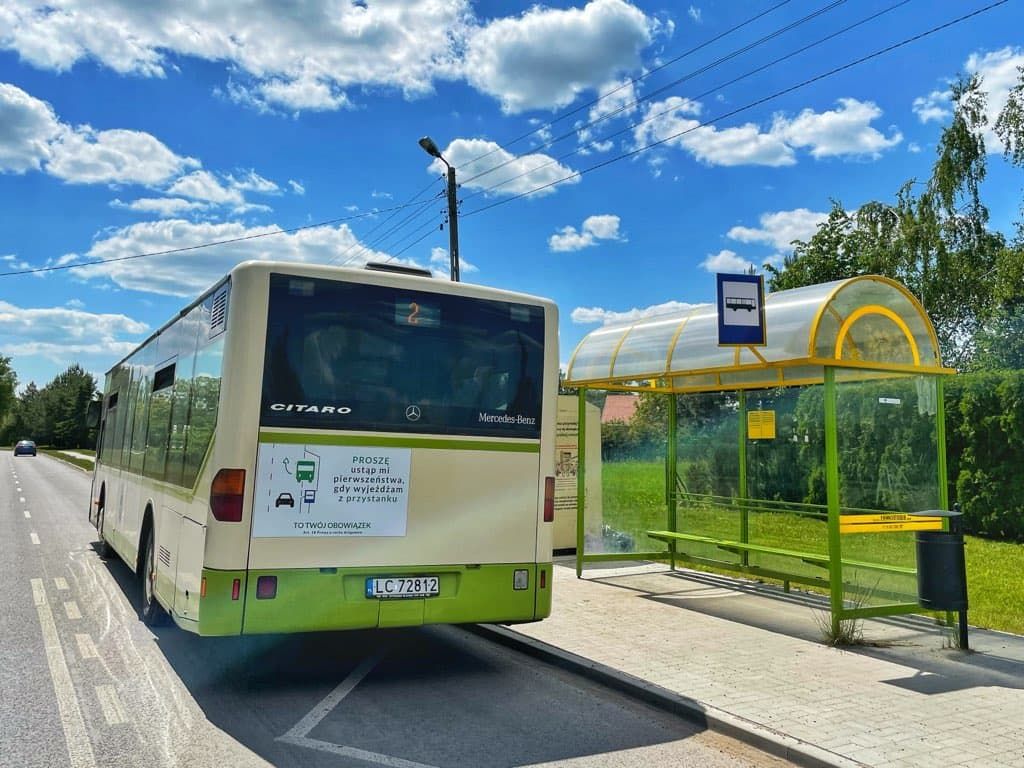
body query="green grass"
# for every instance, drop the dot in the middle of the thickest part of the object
(634, 502)
(82, 463)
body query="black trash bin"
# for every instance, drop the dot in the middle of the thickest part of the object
(941, 570)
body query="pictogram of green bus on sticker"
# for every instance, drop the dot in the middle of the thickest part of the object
(305, 470)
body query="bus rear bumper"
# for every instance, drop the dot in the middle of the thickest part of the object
(325, 599)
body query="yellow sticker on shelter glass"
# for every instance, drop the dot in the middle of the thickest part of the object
(761, 425)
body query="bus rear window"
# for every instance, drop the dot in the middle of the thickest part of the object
(365, 357)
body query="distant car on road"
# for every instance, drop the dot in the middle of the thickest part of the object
(284, 499)
(25, 448)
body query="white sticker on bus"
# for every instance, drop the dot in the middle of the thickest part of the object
(330, 490)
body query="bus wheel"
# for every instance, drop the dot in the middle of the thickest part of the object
(103, 548)
(153, 614)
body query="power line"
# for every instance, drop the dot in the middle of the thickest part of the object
(424, 206)
(751, 105)
(384, 221)
(717, 87)
(632, 81)
(689, 76)
(200, 246)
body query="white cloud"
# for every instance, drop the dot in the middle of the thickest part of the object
(203, 185)
(12, 263)
(841, 132)
(251, 181)
(594, 228)
(726, 261)
(27, 125)
(617, 97)
(672, 122)
(694, 13)
(999, 73)
(913, 147)
(587, 315)
(935, 106)
(61, 333)
(441, 264)
(297, 188)
(86, 156)
(517, 174)
(75, 304)
(381, 195)
(780, 228)
(162, 206)
(544, 58)
(300, 59)
(33, 138)
(189, 273)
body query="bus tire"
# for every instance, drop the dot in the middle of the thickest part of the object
(153, 614)
(103, 548)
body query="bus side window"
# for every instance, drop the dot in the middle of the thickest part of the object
(203, 412)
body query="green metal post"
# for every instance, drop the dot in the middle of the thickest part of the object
(940, 441)
(744, 515)
(835, 555)
(940, 446)
(670, 474)
(581, 475)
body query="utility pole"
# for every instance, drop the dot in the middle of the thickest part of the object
(453, 206)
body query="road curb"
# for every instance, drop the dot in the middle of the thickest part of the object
(761, 737)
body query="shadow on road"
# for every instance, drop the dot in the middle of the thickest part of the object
(430, 695)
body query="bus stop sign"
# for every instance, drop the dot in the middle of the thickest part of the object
(740, 310)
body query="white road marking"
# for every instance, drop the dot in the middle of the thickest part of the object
(21, 498)
(298, 734)
(110, 704)
(71, 609)
(28, 515)
(61, 583)
(79, 747)
(34, 536)
(86, 647)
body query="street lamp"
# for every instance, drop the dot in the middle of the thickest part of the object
(453, 215)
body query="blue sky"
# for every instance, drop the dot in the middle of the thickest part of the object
(131, 127)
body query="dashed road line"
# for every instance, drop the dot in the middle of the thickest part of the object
(110, 704)
(28, 515)
(61, 583)
(86, 647)
(71, 609)
(80, 752)
(34, 536)
(21, 498)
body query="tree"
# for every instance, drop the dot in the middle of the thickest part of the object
(8, 383)
(936, 241)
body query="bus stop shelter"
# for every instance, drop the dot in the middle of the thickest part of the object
(844, 399)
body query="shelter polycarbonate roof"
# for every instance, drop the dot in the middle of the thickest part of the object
(870, 323)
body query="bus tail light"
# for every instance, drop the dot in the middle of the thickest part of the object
(236, 588)
(226, 495)
(543, 579)
(266, 587)
(549, 499)
(202, 587)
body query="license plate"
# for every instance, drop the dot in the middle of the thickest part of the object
(398, 587)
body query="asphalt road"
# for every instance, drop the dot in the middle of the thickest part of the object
(84, 683)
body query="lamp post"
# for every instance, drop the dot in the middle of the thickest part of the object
(453, 215)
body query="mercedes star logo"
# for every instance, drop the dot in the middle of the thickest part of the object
(413, 413)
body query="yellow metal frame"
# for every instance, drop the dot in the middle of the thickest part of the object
(662, 380)
(876, 309)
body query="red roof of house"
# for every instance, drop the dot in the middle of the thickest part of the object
(619, 408)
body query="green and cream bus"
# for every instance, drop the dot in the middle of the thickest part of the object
(312, 448)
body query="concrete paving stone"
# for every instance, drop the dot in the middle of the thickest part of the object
(882, 703)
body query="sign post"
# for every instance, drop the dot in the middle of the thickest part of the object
(741, 310)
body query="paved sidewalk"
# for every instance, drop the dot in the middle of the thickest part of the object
(749, 656)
